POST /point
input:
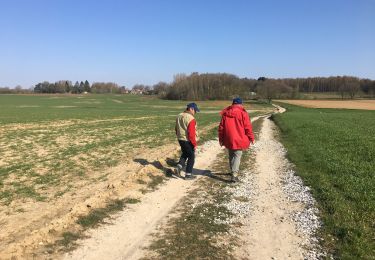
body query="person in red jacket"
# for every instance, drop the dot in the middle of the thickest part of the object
(236, 134)
(187, 138)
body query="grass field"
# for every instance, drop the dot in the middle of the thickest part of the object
(334, 152)
(49, 141)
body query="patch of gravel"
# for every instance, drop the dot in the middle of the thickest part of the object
(242, 194)
(306, 220)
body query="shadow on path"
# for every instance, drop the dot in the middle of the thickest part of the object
(169, 171)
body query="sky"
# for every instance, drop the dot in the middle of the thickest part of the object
(146, 41)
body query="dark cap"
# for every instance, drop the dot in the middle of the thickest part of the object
(193, 105)
(237, 101)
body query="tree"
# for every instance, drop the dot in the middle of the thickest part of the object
(38, 88)
(372, 90)
(283, 90)
(295, 91)
(81, 87)
(68, 86)
(267, 90)
(349, 86)
(75, 89)
(352, 88)
(342, 91)
(207, 86)
(18, 89)
(60, 86)
(160, 89)
(87, 87)
(105, 87)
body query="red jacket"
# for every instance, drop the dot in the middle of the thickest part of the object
(235, 129)
(192, 133)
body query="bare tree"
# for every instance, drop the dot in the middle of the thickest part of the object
(267, 90)
(352, 88)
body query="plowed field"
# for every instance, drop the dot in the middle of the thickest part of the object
(348, 104)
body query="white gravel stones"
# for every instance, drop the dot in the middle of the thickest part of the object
(295, 190)
(242, 193)
(306, 220)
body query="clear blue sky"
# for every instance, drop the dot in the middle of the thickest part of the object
(146, 41)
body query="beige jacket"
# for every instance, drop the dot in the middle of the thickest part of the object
(182, 122)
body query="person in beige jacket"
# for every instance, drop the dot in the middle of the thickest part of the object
(186, 132)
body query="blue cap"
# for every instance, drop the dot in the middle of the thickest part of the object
(193, 105)
(237, 101)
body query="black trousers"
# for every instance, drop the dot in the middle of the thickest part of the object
(188, 154)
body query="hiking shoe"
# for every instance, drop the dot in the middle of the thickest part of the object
(178, 170)
(189, 176)
(234, 179)
(168, 173)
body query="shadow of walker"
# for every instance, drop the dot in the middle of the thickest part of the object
(169, 171)
(219, 176)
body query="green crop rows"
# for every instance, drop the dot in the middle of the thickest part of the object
(334, 152)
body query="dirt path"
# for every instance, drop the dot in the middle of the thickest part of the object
(283, 222)
(129, 234)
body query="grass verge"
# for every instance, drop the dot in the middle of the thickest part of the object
(334, 152)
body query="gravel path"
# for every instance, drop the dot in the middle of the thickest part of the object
(278, 215)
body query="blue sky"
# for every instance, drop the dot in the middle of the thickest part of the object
(146, 41)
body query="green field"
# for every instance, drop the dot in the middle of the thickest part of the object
(334, 153)
(49, 141)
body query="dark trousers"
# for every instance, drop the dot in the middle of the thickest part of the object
(188, 154)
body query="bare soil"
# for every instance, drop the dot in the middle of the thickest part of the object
(27, 226)
(41, 223)
(346, 104)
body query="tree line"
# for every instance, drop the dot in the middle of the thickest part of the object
(216, 86)
(16, 90)
(66, 86)
(213, 86)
